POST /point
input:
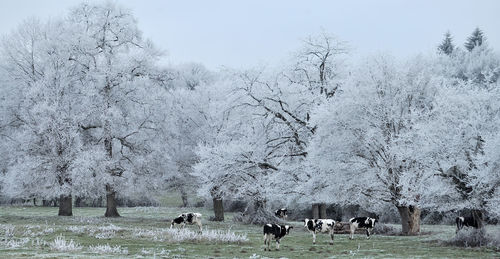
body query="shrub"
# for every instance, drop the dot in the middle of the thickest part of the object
(107, 249)
(60, 244)
(386, 230)
(474, 238)
(186, 235)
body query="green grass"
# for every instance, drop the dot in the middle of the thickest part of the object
(41, 223)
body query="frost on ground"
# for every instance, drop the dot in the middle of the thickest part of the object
(107, 249)
(8, 240)
(14, 243)
(62, 245)
(474, 238)
(182, 235)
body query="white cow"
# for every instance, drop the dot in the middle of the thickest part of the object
(320, 226)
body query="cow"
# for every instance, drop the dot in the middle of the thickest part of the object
(277, 231)
(465, 222)
(281, 213)
(190, 218)
(320, 226)
(362, 222)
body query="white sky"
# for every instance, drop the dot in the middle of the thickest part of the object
(251, 32)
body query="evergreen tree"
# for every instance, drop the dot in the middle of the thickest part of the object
(446, 47)
(476, 39)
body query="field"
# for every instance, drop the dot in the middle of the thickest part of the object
(27, 232)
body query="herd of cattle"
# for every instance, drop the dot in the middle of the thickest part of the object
(314, 226)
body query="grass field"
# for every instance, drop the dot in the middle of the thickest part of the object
(27, 232)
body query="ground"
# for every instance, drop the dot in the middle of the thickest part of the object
(27, 232)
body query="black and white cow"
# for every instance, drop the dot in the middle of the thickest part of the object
(465, 222)
(281, 213)
(320, 226)
(362, 222)
(275, 231)
(190, 218)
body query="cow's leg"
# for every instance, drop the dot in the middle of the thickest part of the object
(183, 225)
(331, 235)
(199, 226)
(459, 226)
(265, 240)
(352, 228)
(314, 237)
(172, 224)
(368, 233)
(277, 244)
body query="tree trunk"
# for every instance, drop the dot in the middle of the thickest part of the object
(410, 219)
(184, 198)
(315, 211)
(111, 210)
(218, 209)
(322, 211)
(78, 201)
(477, 215)
(414, 219)
(65, 205)
(405, 219)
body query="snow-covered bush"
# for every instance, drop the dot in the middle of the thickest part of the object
(8, 230)
(76, 229)
(107, 249)
(186, 235)
(61, 244)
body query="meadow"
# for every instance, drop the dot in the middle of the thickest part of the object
(143, 232)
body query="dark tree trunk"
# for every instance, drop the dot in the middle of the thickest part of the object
(78, 201)
(111, 210)
(322, 211)
(405, 219)
(477, 215)
(315, 211)
(184, 198)
(97, 202)
(65, 205)
(410, 219)
(218, 209)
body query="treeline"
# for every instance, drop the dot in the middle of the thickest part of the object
(87, 112)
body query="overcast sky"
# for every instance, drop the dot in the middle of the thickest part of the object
(247, 33)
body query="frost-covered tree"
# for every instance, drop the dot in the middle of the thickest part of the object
(481, 65)
(476, 39)
(466, 138)
(276, 107)
(368, 143)
(319, 64)
(446, 46)
(120, 64)
(191, 75)
(213, 109)
(89, 80)
(50, 160)
(187, 107)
